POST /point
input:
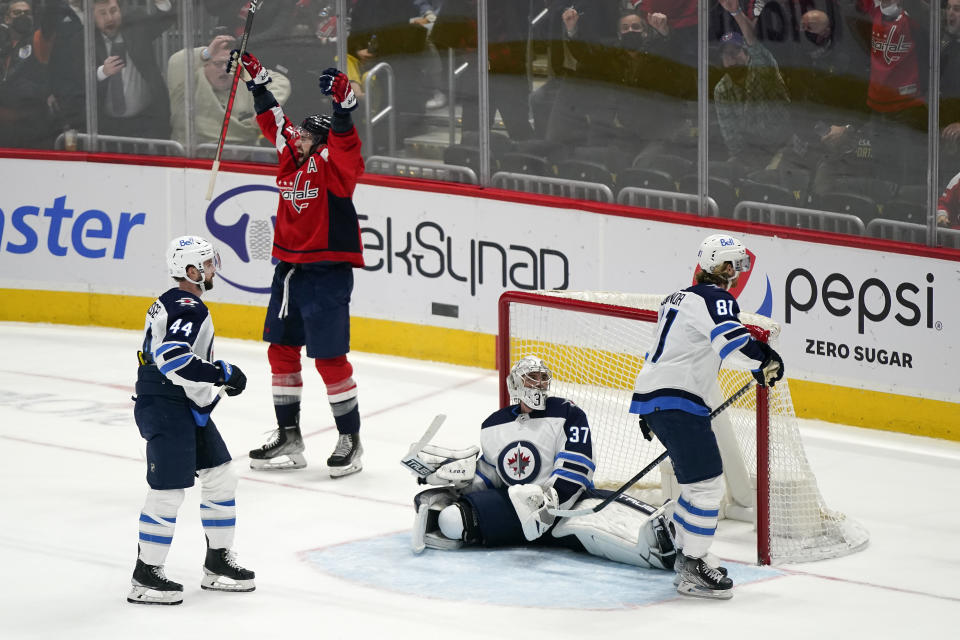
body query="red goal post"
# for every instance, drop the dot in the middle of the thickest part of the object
(594, 343)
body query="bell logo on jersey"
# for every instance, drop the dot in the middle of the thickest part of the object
(519, 462)
(299, 197)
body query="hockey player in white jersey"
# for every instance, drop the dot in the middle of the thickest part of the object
(536, 455)
(697, 329)
(178, 385)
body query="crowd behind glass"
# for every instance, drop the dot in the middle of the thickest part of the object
(812, 113)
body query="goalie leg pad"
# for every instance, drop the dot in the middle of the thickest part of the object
(426, 528)
(623, 532)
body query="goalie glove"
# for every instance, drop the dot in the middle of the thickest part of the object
(771, 371)
(336, 84)
(258, 74)
(531, 502)
(449, 466)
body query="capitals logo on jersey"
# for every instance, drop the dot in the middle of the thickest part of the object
(893, 46)
(519, 462)
(299, 196)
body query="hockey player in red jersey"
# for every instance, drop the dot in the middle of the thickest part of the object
(317, 241)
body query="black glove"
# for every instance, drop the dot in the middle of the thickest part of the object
(645, 429)
(231, 377)
(771, 371)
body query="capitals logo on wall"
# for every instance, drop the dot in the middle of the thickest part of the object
(242, 220)
(519, 462)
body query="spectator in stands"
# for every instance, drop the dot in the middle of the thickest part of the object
(948, 206)
(581, 40)
(895, 33)
(643, 113)
(298, 39)
(131, 94)
(682, 18)
(211, 91)
(24, 115)
(828, 80)
(508, 28)
(383, 29)
(751, 98)
(950, 88)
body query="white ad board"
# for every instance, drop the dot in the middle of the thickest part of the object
(860, 318)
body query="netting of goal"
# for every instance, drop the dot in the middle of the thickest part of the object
(594, 342)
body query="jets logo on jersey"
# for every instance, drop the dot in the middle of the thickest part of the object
(187, 302)
(298, 196)
(519, 462)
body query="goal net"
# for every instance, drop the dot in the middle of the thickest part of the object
(594, 343)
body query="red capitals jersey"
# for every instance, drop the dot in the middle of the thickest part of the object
(316, 219)
(894, 61)
(949, 203)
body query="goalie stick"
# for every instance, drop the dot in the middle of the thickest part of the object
(411, 461)
(251, 11)
(569, 513)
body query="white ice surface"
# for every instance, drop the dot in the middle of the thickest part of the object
(72, 484)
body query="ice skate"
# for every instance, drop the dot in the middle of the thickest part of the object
(700, 580)
(345, 459)
(222, 573)
(284, 451)
(150, 586)
(712, 561)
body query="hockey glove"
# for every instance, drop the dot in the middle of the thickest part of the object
(531, 503)
(231, 377)
(258, 74)
(645, 429)
(334, 83)
(771, 371)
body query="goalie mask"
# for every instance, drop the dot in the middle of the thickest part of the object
(191, 251)
(719, 249)
(529, 382)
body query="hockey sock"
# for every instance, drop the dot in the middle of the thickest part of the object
(696, 515)
(218, 506)
(158, 519)
(337, 374)
(287, 383)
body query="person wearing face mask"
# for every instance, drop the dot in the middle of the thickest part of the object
(895, 34)
(643, 113)
(751, 97)
(950, 88)
(827, 82)
(24, 116)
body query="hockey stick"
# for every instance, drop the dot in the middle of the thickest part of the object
(254, 5)
(568, 513)
(411, 461)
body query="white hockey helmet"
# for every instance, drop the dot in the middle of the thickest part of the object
(720, 248)
(529, 382)
(187, 251)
